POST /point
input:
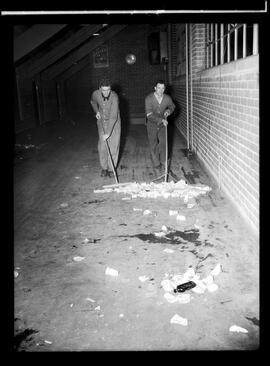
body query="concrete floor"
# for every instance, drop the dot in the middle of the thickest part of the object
(52, 291)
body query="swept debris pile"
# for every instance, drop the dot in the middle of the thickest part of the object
(155, 190)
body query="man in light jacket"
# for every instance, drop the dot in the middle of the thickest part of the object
(105, 104)
(158, 106)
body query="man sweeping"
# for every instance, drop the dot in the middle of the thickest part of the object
(105, 104)
(158, 106)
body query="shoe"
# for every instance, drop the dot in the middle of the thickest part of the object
(103, 173)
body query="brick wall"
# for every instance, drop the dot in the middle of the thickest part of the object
(225, 125)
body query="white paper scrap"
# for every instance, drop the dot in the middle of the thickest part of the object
(146, 212)
(176, 319)
(236, 328)
(167, 285)
(173, 212)
(212, 287)
(181, 217)
(164, 228)
(167, 250)
(208, 280)
(160, 234)
(111, 272)
(89, 299)
(170, 297)
(78, 259)
(216, 270)
(143, 278)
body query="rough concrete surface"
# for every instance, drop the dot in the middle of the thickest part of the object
(53, 293)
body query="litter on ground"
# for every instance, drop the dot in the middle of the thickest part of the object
(180, 217)
(16, 274)
(212, 287)
(167, 250)
(89, 299)
(176, 319)
(164, 228)
(143, 278)
(160, 234)
(216, 270)
(64, 205)
(173, 212)
(78, 259)
(180, 298)
(155, 190)
(146, 212)
(111, 272)
(236, 328)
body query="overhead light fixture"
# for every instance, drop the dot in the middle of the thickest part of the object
(130, 59)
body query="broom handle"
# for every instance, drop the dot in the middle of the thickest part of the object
(166, 161)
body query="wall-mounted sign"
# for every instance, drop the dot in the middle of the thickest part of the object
(101, 57)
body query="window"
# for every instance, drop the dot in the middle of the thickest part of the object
(230, 42)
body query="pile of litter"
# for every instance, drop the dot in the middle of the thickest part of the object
(155, 190)
(171, 283)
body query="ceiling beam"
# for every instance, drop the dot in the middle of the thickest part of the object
(82, 52)
(33, 38)
(32, 67)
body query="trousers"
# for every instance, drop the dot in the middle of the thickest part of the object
(157, 141)
(113, 143)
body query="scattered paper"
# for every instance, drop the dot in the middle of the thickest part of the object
(121, 315)
(167, 285)
(173, 212)
(16, 274)
(77, 177)
(176, 319)
(181, 217)
(146, 212)
(167, 250)
(89, 299)
(236, 328)
(64, 205)
(212, 287)
(208, 280)
(48, 342)
(78, 259)
(180, 298)
(198, 289)
(143, 278)
(164, 228)
(97, 308)
(216, 270)
(137, 209)
(160, 234)
(190, 205)
(86, 240)
(111, 272)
